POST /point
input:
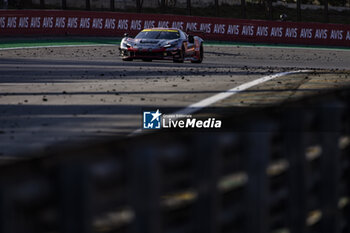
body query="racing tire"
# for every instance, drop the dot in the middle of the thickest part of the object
(201, 55)
(182, 56)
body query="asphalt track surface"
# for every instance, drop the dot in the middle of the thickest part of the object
(77, 95)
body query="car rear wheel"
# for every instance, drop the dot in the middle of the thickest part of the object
(181, 57)
(201, 55)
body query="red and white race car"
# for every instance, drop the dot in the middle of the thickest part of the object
(162, 43)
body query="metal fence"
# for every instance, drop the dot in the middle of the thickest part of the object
(280, 169)
(247, 9)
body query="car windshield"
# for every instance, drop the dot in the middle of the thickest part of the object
(157, 34)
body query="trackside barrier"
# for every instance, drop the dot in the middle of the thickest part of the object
(54, 22)
(284, 170)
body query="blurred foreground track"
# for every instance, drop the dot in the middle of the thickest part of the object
(281, 169)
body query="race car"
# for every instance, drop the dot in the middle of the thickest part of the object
(162, 44)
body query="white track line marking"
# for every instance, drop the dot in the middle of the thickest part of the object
(224, 95)
(193, 108)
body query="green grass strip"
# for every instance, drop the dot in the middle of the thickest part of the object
(225, 43)
(30, 42)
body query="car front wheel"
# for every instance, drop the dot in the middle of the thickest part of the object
(201, 55)
(181, 56)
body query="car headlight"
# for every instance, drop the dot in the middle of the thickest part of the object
(170, 45)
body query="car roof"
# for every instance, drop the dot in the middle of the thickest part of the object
(161, 29)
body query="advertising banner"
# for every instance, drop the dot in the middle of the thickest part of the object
(56, 22)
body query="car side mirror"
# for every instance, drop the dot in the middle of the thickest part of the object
(190, 39)
(126, 35)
